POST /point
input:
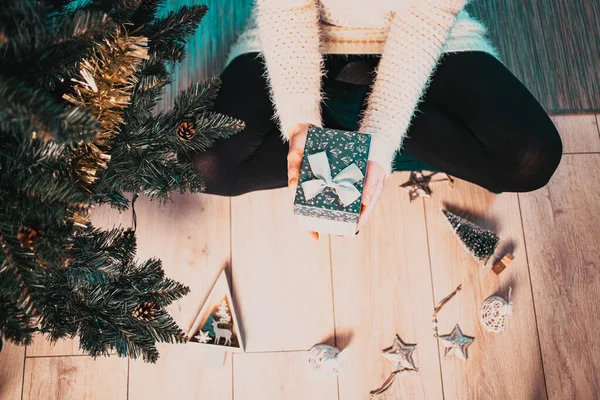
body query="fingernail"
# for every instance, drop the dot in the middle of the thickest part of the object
(366, 200)
(356, 233)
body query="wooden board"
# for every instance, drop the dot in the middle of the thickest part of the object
(562, 227)
(78, 377)
(180, 373)
(506, 363)
(579, 133)
(12, 358)
(550, 45)
(191, 235)
(281, 277)
(41, 346)
(382, 287)
(278, 376)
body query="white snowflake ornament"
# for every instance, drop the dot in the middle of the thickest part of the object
(203, 337)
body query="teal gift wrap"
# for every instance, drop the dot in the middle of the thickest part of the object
(331, 180)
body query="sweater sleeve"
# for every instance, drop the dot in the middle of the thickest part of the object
(410, 54)
(289, 35)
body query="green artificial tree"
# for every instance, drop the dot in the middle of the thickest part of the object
(208, 326)
(79, 87)
(480, 243)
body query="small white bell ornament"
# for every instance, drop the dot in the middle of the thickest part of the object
(495, 313)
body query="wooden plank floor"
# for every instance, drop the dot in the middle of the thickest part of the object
(359, 292)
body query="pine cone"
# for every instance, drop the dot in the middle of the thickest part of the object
(144, 312)
(28, 236)
(186, 130)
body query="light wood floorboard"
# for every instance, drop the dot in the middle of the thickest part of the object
(282, 282)
(278, 376)
(181, 372)
(579, 133)
(191, 235)
(382, 287)
(506, 364)
(12, 359)
(562, 227)
(281, 277)
(69, 378)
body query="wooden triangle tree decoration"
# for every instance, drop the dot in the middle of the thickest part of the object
(217, 324)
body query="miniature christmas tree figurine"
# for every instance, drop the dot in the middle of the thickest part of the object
(479, 242)
(223, 313)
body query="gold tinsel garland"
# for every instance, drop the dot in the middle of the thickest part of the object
(106, 83)
(104, 88)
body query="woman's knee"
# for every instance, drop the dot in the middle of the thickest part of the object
(219, 178)
(533, 162)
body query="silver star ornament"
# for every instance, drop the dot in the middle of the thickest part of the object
(418, 184)
(456, 343)
(400, 354)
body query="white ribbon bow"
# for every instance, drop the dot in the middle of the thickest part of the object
(342, 183)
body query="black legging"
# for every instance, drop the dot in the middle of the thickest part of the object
(476, 122)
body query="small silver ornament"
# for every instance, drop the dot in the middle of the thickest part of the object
(456, 343)
(325, 361)
(418, 184)
(495, 313)
(400, 354)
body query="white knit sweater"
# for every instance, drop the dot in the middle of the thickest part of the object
(410, 35)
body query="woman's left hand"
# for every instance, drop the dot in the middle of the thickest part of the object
(373, 187)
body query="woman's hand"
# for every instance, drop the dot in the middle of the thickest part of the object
(295, 153)
(373, 181)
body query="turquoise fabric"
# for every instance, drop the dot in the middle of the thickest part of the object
(342, 108)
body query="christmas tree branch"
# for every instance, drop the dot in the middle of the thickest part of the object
(145, 12)
(55, 44)
(129, 320)
(34, 113)
(168, 35)
(78, 94)
(15, 324)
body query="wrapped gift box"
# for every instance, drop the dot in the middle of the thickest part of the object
(331, 181)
